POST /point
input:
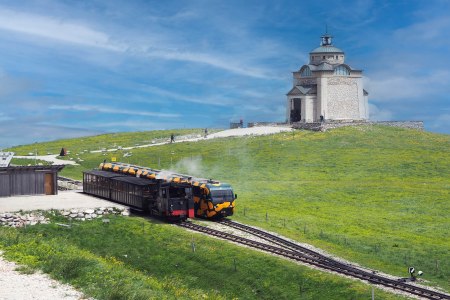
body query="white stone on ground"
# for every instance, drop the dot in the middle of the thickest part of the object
(37, 286)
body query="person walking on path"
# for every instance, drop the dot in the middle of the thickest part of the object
(206, 132)
(172, 138)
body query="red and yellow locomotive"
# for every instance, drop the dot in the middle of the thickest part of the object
(173, 196)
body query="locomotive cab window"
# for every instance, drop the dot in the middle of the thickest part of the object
(220, 196)
(176, 192)
(196, 190)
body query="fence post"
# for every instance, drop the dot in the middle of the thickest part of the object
(193, 245)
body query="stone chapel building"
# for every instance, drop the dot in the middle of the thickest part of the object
(327, 89)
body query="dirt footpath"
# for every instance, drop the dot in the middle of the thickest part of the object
(37, 286)
(64, 200)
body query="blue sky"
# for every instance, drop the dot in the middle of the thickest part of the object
(74, 68)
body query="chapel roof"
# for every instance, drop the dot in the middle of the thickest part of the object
(327, 49)
(303, 90)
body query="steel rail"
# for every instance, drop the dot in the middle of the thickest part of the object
(320, 263)
(277, 240)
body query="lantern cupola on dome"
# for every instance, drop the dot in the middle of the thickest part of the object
(326, 52)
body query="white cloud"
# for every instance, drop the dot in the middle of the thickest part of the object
(4, 117)
(30, 132)
(10, 85)
(56, 29)
(377, 114)
(214, 60)
(137, 125)
(182, 97)
(441, 122)
(66, 31)
(101, 109)
(404, 87)
(432, 31)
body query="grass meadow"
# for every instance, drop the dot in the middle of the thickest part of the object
(134, 258)
(375, 195)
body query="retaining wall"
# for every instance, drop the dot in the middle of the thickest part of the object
(417, 125)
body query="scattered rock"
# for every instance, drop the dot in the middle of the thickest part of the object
(21, 220)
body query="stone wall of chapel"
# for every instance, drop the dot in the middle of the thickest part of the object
(343, 102)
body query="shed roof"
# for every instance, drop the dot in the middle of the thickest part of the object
(54, 168)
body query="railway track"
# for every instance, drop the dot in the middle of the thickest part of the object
(295, 252)
(278, 241)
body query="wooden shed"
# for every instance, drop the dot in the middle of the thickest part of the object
(29, 180)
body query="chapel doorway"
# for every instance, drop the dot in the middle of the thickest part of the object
(296, 110)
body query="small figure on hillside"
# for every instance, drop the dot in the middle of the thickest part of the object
(172, 138)
(321, 119)
(206, 132)
(241, 123)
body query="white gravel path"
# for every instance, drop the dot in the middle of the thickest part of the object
(51, 158)
(64, 200)
(259, 130)
(251, 131)
(37, 286)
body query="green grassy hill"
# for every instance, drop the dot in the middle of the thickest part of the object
(378, 196)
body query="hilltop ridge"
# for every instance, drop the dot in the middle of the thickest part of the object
(372, 194)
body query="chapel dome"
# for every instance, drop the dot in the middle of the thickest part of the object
(326, 52)
(327, 49)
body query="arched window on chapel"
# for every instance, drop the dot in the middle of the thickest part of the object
(342, 70)
(305, 71)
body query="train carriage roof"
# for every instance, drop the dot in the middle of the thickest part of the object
(104, 174)
(134, 180)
